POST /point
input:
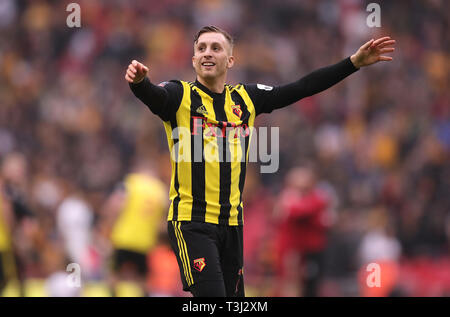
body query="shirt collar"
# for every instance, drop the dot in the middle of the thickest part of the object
(209, 92)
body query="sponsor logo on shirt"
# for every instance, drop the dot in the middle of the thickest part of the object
(200, 125)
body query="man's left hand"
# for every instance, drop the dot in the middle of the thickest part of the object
(372, 52)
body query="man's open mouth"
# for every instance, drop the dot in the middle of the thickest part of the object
(208, 64)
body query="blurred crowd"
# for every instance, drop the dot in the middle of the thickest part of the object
(370, 157)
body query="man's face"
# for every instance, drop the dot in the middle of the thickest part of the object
(212, 56)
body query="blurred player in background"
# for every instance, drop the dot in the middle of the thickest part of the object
(304, 221)
(7, 261)
(22, 223)
(74, 221)
(206, 213)
(134, 212)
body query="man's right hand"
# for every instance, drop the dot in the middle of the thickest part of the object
(136, 72)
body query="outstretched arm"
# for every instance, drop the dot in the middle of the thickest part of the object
(267, 99)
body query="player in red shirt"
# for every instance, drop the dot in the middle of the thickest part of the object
(304, 222)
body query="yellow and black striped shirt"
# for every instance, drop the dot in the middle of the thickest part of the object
(208, 139)
(209, 135)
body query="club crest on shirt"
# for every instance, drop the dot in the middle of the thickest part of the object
(199, 264)
(237, 110)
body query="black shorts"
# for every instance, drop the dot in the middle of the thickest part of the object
(210, 257)
(130, 260)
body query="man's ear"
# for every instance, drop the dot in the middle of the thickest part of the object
(230, 62)
(193, 61)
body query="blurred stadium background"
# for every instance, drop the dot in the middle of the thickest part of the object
(70, 131)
